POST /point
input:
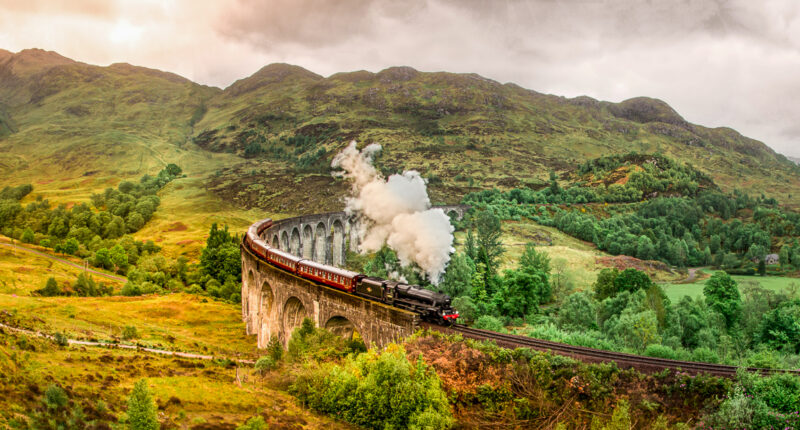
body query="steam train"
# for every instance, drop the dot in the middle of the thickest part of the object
(432, 306)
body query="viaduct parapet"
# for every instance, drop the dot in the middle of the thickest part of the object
(275, 302)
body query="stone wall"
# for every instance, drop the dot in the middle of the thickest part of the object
(274, 302)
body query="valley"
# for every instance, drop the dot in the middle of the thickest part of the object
(618, 226)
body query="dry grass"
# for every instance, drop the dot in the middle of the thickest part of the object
(187, 392)
(177, 321)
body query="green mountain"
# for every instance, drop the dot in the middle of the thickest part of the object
(269, 136)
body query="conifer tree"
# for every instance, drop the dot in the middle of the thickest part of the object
(142, 414)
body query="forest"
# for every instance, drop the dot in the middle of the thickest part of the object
(687, 223)
(100, 234)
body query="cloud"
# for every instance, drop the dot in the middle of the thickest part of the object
(718, 63)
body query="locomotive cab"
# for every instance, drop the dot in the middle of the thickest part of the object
(370, 287)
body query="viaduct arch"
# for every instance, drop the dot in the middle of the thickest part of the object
(275, 301)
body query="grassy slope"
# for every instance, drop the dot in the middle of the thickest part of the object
(176, 321)
(774, 283)
(78, 129)
(501, 135)
(188, 392)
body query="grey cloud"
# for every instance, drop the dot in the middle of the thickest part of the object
(719, 63)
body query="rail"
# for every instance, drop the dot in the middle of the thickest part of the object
(590, 355)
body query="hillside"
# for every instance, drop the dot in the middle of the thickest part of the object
(456, 127)
(71, 129)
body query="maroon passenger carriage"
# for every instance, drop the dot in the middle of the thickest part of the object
(431, 305)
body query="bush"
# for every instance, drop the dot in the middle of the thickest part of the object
(264, 365)
(757, 401)
(309, 342)
(61, 339)
(660, 351)
(129, 332)
(377, 390)
(142, 412)
(255, 423)
(705, 355)
(488, 322)
(275, 349)
(50, 289)
(55, 397)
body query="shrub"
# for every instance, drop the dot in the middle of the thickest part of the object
(264, 365)
(660, 351)
(255, 423)
(55, 397)
(275, 349)
(129, 332)
(488, 322)
(142, 413)
(61, 339)
(377, 390)
(319, 344)
(50, 289)
(705, 355)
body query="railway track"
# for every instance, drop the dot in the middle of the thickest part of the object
(591, 355)
(280, 259)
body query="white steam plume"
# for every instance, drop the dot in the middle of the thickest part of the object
(397, 212)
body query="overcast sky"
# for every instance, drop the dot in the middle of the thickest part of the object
(718, 63)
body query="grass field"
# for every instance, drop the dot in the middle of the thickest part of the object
(775, 283)
(189, 393)
(176, 321)
(574, 258)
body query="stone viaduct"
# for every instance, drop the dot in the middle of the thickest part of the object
(274, 301)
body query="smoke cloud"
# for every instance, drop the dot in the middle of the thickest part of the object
(396, 211)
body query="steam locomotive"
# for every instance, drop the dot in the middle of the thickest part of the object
(432, 306)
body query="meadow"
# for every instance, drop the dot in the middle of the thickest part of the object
(188, 393)
(676, 291)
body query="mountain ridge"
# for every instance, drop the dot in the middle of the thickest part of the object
(448, 126)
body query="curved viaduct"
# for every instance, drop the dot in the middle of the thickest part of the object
(275, 301)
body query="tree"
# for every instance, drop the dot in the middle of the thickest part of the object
(118, 257)
(604, 286)
(102, 259)
(458, 276)
(27, 236)
(134, 222)
(722, 295)
(780, 327)
(645, 250)
(762, 267)
(715, 243)
(478, 287)
(85, 286)
(489, 246)
(636, 330)
(142, 412)
(578, 312)
(50, 288)
(115, 228)
(784, 255)
(173, 170)
(71, 246)
(522, 291)
(632, 280)
(533, 259)
(221, 259)
(470, 248)
(555, 190)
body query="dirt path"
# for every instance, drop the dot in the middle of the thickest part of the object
(63, 261)
(123, 346)
(692, 275)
